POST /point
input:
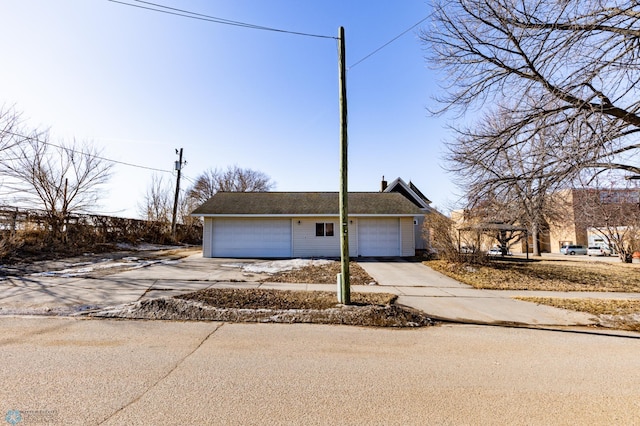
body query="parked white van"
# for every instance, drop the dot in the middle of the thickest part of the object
(573, 249)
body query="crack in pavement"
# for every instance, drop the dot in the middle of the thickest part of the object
(147, 290)
(171, 370)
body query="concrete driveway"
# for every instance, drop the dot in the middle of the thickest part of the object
(444, 298)
(63, 294)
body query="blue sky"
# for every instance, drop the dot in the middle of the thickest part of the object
(140, 84)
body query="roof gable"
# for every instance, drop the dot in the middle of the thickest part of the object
(410, 191)
(305, 203)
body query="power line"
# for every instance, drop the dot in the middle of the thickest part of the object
(85, 153)
(208, 18)
(190, 179)
(389, 42)
(218, 20)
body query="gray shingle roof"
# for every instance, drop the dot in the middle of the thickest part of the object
(305, 203)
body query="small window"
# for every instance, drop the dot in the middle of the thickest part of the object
(328, 229)
(324, 229)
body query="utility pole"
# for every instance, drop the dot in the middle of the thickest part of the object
(65, 213)
(344, 293)
(175, 200)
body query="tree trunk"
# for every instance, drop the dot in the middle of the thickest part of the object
(534, 239)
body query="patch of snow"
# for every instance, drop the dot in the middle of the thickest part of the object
(275, 266)
(614, 321)
(75, 265)
(235, 265)
(87, 268)
(145, 247)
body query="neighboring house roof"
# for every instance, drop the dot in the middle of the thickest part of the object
(410, 191)
(305, 204)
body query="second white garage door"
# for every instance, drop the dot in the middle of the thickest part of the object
(251, 238)
(379, 237)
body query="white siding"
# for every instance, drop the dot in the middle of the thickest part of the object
(267, 237)
(353, 238)
(305, 242)
(407, 236)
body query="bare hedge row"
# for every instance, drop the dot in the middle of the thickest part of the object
(31, 228)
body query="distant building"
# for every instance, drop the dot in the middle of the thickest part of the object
(588, 213)
(581, 216)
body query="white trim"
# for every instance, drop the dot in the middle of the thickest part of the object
(399, 181)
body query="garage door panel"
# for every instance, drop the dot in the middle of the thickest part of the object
(251, 238)
(379, 237)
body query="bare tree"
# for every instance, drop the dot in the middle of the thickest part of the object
(10, 132)
(490, 220)
(570, 66)
(156, 208)
(233, 179)
(508, 178)
(158, 201)
(59, 178)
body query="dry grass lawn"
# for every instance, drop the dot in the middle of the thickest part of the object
(545, 275)
(234, 298)
(321, 274)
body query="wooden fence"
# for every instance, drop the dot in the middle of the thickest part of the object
(100, 229)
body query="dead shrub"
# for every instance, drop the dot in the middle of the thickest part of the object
(444, 241)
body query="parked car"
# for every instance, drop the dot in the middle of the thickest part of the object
(598, 251)
(573, 249)
(496, 251)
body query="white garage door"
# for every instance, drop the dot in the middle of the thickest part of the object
(379, 237)
(251, 238)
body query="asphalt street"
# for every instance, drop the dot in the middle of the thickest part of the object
(81, 371)
(75, 370)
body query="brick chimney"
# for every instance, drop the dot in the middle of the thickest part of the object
(383, 185)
